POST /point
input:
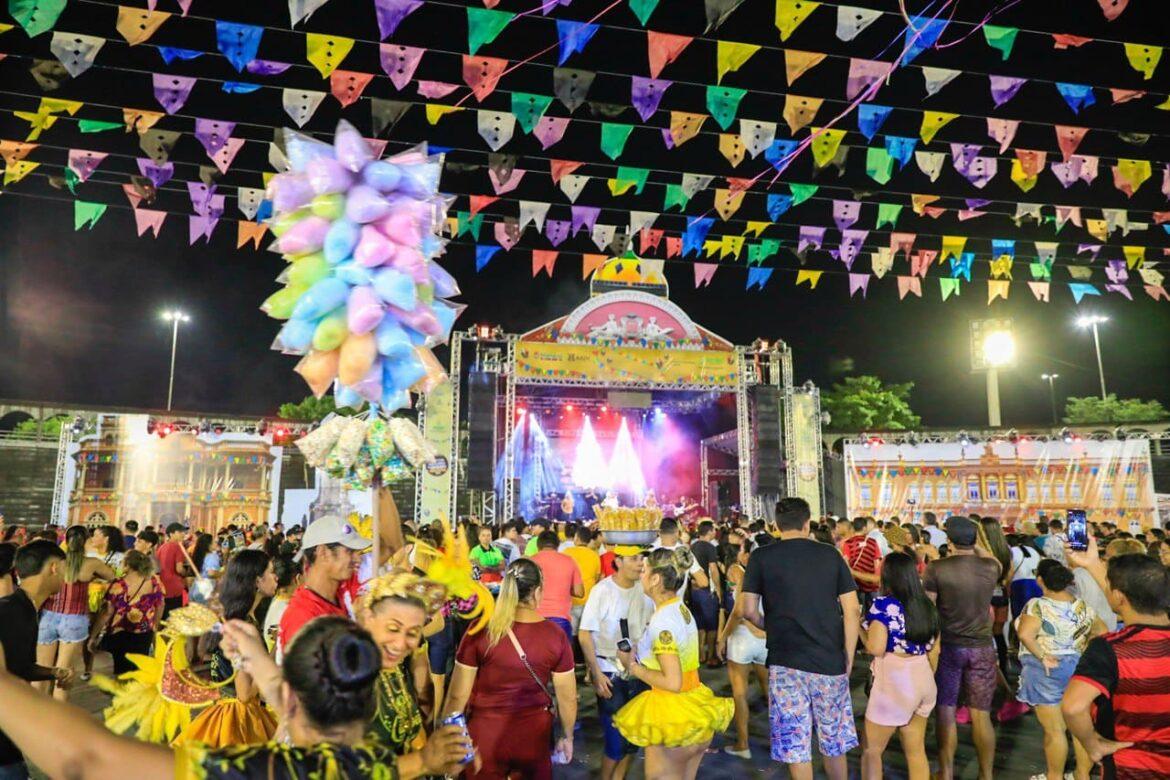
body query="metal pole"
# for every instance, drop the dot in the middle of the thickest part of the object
(1052, 398)
(1100, 366)
(174, 349)
(993, 397)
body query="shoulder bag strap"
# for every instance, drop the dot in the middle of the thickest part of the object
(524, 660)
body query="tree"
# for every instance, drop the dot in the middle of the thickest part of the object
(863, 403)
(309, 409)
(1091, 410)
(50, 428)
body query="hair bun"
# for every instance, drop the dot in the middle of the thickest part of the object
(352, 661)
(684, 559)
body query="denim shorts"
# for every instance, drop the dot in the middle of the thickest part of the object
(1041, 688)
(59, 627)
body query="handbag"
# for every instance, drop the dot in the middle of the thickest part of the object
(552, 699)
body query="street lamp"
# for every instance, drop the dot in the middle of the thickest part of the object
(173, 316)
(993, 346)
(1051, 379)
(1092, 321)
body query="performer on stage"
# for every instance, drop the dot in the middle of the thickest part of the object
(567, 506)
(611, 500)
(651, 501)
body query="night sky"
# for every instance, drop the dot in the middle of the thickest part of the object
(79, 310)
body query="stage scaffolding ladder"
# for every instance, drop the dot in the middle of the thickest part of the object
(508, 510)
(743, 434)
(63, 442)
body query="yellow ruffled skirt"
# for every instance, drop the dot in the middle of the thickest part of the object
(230, 722)
(657, 717)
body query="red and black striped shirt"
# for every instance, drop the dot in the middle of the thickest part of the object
(1131, 668)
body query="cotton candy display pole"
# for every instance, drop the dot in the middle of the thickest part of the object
(363, 297)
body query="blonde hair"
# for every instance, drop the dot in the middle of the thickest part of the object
(521, 579)
(671, 565)
(75, 539)
(1124, 547)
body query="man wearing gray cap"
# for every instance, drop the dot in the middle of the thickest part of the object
(961, 586)
(330, 551)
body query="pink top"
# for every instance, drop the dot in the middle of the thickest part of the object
(72, 599)
(560, 574)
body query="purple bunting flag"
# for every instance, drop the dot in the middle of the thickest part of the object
(390, 14)
(810, 236)
(1004, 88)
(585, 217)
(213, 133)
(172, 91)
(646, 93)
(267, 67)
(858, 283)
(156, 173)
(845, 213)
(399, 62)
(556, 230)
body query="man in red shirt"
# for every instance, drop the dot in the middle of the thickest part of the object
(562, 581)
(330, 549)
(173, 569)
(863, 555)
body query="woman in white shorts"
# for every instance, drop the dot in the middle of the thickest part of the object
(745, 648)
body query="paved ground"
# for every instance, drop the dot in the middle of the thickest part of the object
(1019, 752)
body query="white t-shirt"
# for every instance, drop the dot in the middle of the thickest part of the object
(607, 605)
(275, 612)
(935, 535)
(1024, 563)
(695, 567)
(882, 542)
(1090, 592)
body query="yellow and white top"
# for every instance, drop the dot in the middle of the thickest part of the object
(672, 630)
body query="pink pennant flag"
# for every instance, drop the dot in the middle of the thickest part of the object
(399, 62)
(506, 185)
(250, 231)
(550, 129)
(1040, 290)
(1157, 292)
(561, 168)
(132, 195)
(172, 91)
(968, 214)
(1068, 138)
(84, 163)
(864, 74)
(377, 146)
(1126, 95)
(663, 49)
(1002, 131)
(543, 260)
(703, 273)
(1112, 8)
(858, 283)
(227, 153)
(902, 242)
(482, 74)
(649, 239)
(347, 85)
(506, 234)
(436, 89)
(1065, 213)
(147, 219)
(673, 246)
(934, 212)
(1120, 289)
(909, 284)
(921, 261)
(184, 6)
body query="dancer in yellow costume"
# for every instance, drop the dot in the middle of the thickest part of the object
(676, 719)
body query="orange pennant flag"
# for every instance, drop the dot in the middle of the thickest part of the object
(482, 74)
(347, 85)
(590, 263)
(543, 260)
(11, 151)
(480, 202)
(727, 202)
(136, 25)
(139, 120)
(800, 111)
(562, 168)
(797, 63)
(663, 49)
(731, 147)
(684, 126)
(250, 231)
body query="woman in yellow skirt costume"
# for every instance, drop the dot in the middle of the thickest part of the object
(676, 719)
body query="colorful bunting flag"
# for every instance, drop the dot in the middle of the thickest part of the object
(484, 25)
(731, 57)
(791, 13)
(663, 49)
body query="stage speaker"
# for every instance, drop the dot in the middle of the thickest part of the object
(481, 429)
(767, 452)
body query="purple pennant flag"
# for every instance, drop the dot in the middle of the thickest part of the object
(981, 170)
(84, 163)
(845, 213)
(1117, 272)
(1092, 249)
(646, 93)
(864, 74)
(810, 236)
(585, 217)
(199, 226)
(977, 203)
(963, 154)
(171, 91)
(158, 174)
(267, 67)
(213, 133)
(668, 139)
(391, 13)
(1119, 288)
(556, 230)
(1004, 88)
(858, 283)
(851, 241)
(550, 129)
(399, 62)
(204, 200)
(507, 233)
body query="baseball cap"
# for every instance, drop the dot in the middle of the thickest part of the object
(961, 531)
(331, 529)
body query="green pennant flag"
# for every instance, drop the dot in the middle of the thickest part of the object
(529, 108)
(36, 16)
(483, 25)
(614, 137)
(1001, 38)
(97, 126)
(86, 214)
(879, 165)
(629, 177)
(755, 254)
(802, 192)
(72, 180)
(465, 223)
(888, 214)
(642, 9)
(769, 247)
(1041, 270)
(948, 287)
(723, 102)
(675, 196)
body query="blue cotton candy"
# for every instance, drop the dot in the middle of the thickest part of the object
(402, 373)
(353, 273)
(297, 334)
(382, 176)
(320, 299)
(340, 240)
(396, 288)
(392, 340)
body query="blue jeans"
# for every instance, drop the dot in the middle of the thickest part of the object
(622, 690)
(563, 625)
(14, 771)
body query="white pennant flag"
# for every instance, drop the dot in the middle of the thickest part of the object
(641, 219)
(930, 163)
(533, 211)
(1131, 226)
(298, 10)
(301, 104)
(1116, 218)
(937, 78)
(249, 200)
(1027, 211)
(1046, 250)
(75, 51)
(603, 235)
(693, 183)
(572, 184)
(851, 21)
(496, 127)
(756, 136)
(883, 260)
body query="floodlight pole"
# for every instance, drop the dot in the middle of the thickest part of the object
(993, 417)
(174, 350)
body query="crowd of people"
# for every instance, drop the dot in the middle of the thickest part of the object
(331, 664)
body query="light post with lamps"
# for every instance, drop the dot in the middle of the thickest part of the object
(174, 317)
(993, 346)
(1092, 321)
(1051, 379)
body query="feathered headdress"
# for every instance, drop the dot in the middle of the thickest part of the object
(451, 567)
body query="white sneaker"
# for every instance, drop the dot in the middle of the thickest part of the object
(744, 754)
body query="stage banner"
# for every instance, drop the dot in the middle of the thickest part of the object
(437, 426)
(1026, 480)
(806, 449)
(550, 362)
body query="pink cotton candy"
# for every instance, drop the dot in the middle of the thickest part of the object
(402, 227)
(364, 312)
(373, 249)
(289, 191)
(306, 236)
(327, 175)
(366, 204)
(422, 319)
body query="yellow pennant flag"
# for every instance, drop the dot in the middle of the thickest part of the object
(326, 52)
(812, 277)
(997, 289)
(37, 123)
(1021, 178)
(139, 120)
(684, 126)
(952, 245)
(267, 178)
(57, 105)
(800, 111)
(452, 226)
(1135, 256)
(932, 122)
(756, 228)
(1134, 172)
(790, 14)
(137, 24)
(1143, 58)
(16, 171)
(5, 27)
(1097, 229)
(619, 186)
(797, 63)
(712, 246)
(731, 147)
(727, 202)
(1001, 267)
(731, 56)
(919, 203)
(1164, 105)
(435, 112)
(825, 144)
(732, 245)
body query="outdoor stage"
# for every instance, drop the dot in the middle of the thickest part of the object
(625, 393)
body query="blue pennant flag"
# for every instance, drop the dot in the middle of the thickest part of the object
(1003, 246)
(239, 87)
(870, 118)
(1077, 96)
(238, 42)
(484, 254)
(901, 148)
(777, 205)
(922, 34)
(170, 54)
(573, 36)
(264, 211)
(961, 266)
(758, 277)
(780, 149)
(695, 234)
(1081, 289)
